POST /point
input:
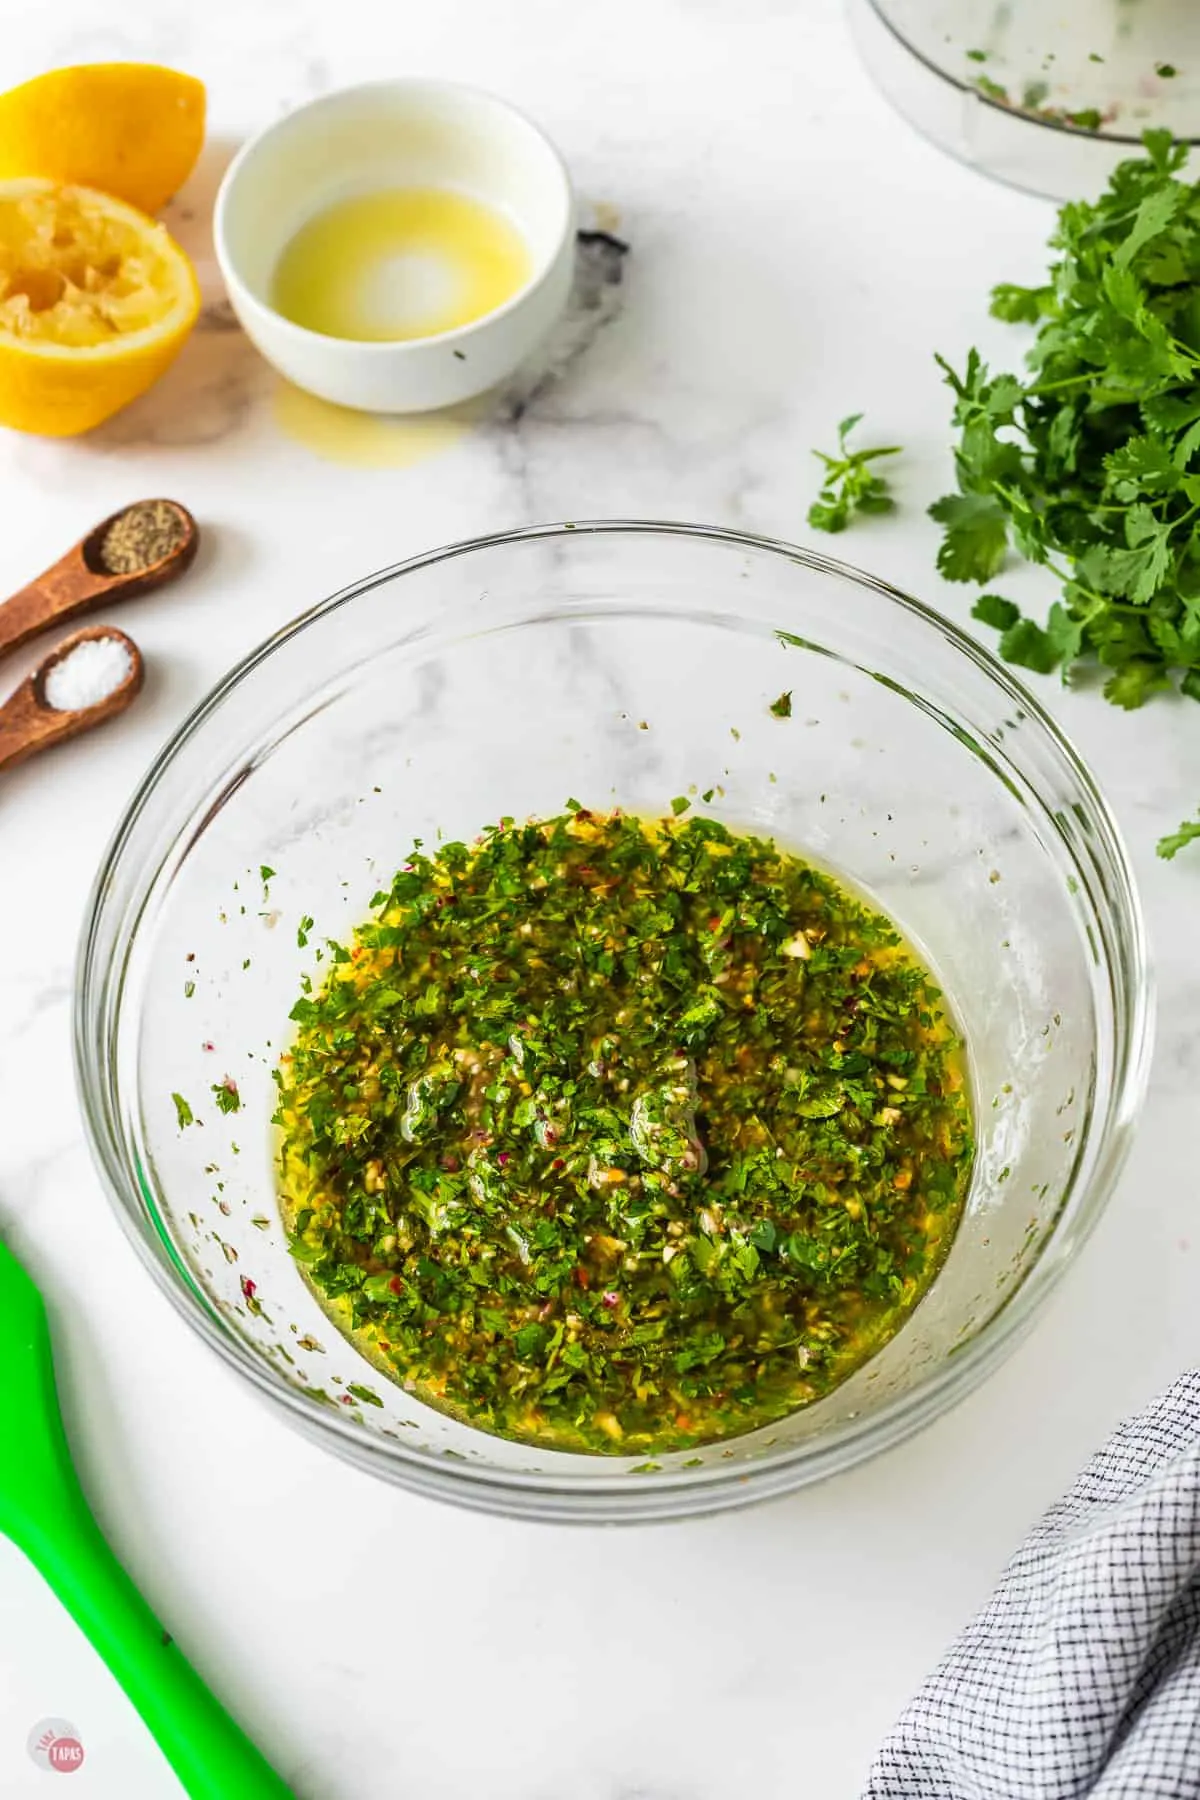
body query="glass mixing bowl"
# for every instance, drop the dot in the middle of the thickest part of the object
(622, 664)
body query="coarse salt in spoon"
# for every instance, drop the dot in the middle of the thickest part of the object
(84, 681)
(146, 544)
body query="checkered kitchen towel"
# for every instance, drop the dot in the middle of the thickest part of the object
(1081, 1676)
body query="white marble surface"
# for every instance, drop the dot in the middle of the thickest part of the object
(797, 254)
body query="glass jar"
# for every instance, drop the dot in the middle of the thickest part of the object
(1047, 96)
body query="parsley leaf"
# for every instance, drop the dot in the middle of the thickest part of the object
(782, 708)
(1027, 645)
(1133, 683)
(976, 536)
(1021, 305)
(849, 485)
(993, 609)
(1175, 841)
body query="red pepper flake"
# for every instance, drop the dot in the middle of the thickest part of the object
(249, 1291)
(610, 1299)
(395, 1285)
(582, 1278)
(206, 1045)
(503, 1159)
(558, 1163)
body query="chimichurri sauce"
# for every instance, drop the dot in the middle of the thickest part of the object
(625, 1135)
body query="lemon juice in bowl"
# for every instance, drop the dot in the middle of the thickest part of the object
(398, 264)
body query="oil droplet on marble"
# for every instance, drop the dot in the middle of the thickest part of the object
(362, 440)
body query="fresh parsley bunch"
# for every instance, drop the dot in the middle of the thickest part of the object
(1091, 464)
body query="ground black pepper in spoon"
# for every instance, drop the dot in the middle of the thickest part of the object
(143, 536)
(146, 544)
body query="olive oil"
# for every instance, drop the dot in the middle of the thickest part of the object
(398, 264)
(362, 440)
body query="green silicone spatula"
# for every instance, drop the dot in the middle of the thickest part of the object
(42, 1509)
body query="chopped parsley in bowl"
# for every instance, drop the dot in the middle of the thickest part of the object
(622, 1135)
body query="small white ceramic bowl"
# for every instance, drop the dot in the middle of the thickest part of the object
(396, 134)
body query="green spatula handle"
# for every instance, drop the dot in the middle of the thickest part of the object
(211, 1755)
(43, 1510)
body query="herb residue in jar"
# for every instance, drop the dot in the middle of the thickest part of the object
(622, 1135)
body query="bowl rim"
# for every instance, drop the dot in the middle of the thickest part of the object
(610, 1495)
(378, 348)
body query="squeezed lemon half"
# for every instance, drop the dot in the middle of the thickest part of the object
(96, 301)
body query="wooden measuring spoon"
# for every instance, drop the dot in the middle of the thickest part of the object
(29, 723)
(81, 580)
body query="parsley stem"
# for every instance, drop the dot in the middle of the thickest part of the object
(1054, 387)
